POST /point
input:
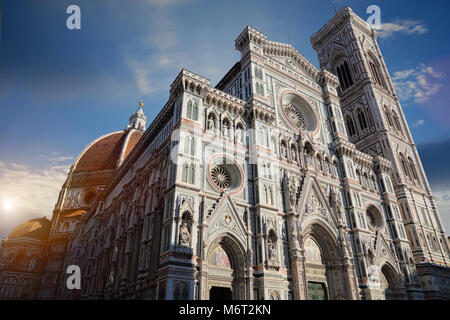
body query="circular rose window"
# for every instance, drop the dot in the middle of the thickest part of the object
(294, 116)
(374, 218)
(225, 174)
(297, 112)
(221, 177)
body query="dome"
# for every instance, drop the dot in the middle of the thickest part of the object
(38, 229)
(106, 152)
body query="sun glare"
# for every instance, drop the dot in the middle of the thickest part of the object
(8, 205)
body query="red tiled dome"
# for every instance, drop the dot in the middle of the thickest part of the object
(105, 152)
(38, 229)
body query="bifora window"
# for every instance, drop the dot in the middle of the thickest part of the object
(344, 75)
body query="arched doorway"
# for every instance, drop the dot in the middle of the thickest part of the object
(390, 284)
(323, 270)
(316, 271)
(225, 276)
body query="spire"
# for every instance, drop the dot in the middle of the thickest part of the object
(138, 120)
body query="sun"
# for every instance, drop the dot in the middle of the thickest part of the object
(8, 205)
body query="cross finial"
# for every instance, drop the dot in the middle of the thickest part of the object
(141, 104)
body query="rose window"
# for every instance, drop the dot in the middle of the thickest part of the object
(294, 116)
(221, 177)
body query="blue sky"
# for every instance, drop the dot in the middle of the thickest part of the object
(60, 88)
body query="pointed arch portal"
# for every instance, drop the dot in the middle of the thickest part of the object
(323, 270)
(226, 270)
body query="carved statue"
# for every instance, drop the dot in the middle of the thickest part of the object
(292, 193)
(294, 154)
(211, 125)
(185, 236)
(283, 151)
(273, 257)
(225, 130)
(238, 134)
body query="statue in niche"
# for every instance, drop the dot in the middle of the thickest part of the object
(185, 236)
(292, 193)
(272, 249)
(283, 151)
(238, 134)
(294, 154)
(226, 130)
(211, 125)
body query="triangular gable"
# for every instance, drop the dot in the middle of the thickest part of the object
(313, 204)
(225, 217)
(387, 255)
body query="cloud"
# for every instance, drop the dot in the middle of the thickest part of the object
(401, 26)
(33, 192)
(418, 123)
(418, 84)
(154, 73)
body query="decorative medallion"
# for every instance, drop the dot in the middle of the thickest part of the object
(227, 220)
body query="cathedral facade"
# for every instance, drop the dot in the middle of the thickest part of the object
(281, 182)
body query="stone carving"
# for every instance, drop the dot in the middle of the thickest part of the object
(238, 134)
(283, 151)
(294, 154)
(185, 236)
(226, 130)
(293, 193)
(314, 206)
(211, 125)
(272, 261)
(294, 116)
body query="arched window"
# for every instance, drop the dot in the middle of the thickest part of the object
(191, 174)
(375, 70)
(404, 165)
(192, 146)
(32, 264)
(184, 173)
(187, 142)
(388, 116)
(195, 112)
(413, 169)
(65, 227)
(397, 123)
(350, 127)
(189, 110)
(362, 119)
(344, 75)
(92, 251)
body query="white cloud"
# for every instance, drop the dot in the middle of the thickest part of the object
(418, 123)
(61, 159)
(155, 72)
(32, 192)
(401, 26)
(418, 84)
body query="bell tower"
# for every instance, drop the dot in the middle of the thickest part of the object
(347, 47)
